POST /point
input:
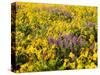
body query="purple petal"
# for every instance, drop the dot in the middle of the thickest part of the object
(50, 40)
(69, 36)
(91, 24)
(60, 35)
(59, 43)
(65, 37)
(71, 46)
(65, 43)
(74, 40)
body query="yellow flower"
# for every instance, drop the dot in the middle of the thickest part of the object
(72, 65)
(53, 46)
(17, 71)
(23, 67)
(30, 49)
(86, 54)
(79, 66)
(53, 56)
(38, 53)
(93, 65)
(71, 55)
(65, 60)
(87, 66)
(44, 49)
(91, 38)
(94, 56)
(78, 61)
(45, 43)
(18, 48)
(29, 37)
(30, 68)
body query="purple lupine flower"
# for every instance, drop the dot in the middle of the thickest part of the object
(71, 46)
(51, 40)
(69, 36)
(17, 67)
(60, 35)
(74, 40)
(67, 15)
(65, 37)
(55, 10)
(81, 41)
(91, 24)
(59, 43)
(65, 43)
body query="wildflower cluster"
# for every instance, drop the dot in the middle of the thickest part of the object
(54, 37)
